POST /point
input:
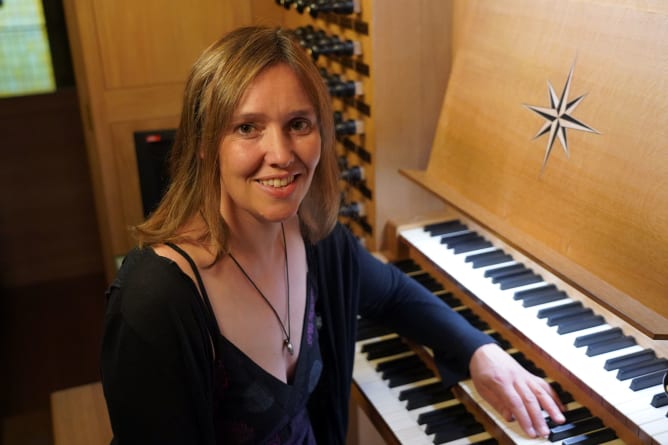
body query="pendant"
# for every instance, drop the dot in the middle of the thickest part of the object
(288, 345)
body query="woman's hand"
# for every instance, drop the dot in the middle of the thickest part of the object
(513, 391)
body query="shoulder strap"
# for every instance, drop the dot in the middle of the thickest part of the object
(211, 318)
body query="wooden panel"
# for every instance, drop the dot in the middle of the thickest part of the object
(601, 214)
(156, 41)
(87, 68)
(411, 64)
(80, 416)
(45, 192)
(266, 13)
(126, 164)
(143, 103)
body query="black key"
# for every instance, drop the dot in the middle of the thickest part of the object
(422, 277)
(441, 413)
(659, 400)
(627, 372)
(580, 323)
(426, 395)
(397, 365)
(490, 441)
(528, 364)
(624, 360)
(542, 299)
(520, 280)
(571, 429)
(473, 319)
(503, 343)
(610, 345)
(557, 318)
(428, 282)
(544, 293)
(536, 291)
(458, 432)
(449, 299)
(407, 394)
(504, 271)
(564, 396)
(445, 227)
(411, 376)
(451, 241)
(484, 259)
(404, 370)
(499, 279)
(570, 416)
(385, 348)
(647, 380)
(608, 334)
(547, 312)
(471, 246)
(445, 423)
(593, 438)
(407, 266)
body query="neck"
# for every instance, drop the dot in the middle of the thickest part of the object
(261, 242)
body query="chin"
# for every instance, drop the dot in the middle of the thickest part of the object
(278, 216)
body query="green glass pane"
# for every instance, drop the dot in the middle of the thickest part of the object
(25, 57)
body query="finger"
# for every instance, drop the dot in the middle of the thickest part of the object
(528, 412)
(546, 401)
(550, 402)
(524, 419)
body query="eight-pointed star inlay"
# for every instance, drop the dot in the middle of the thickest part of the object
(558, 117)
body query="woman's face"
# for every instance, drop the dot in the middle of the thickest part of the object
(270, 150)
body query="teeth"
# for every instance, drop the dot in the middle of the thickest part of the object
(277, 182)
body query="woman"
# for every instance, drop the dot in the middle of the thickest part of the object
(234, 320)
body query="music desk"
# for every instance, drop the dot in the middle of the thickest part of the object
(79, 416)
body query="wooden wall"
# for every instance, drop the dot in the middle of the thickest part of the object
(48, 229)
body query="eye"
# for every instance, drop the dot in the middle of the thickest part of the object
(246, 129)
(301, 125)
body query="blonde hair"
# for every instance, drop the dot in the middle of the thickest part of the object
(214, 88)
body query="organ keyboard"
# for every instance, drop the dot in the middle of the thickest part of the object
(558, 245)
(387, 370)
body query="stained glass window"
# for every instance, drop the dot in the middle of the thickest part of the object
(25, 58)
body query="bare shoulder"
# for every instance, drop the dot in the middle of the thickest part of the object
(197, 254)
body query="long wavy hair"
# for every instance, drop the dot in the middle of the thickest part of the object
(214, 88)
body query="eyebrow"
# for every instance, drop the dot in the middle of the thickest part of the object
(252, 116)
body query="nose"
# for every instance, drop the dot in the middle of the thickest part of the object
(279, 148)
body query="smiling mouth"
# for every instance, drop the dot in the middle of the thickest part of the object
(277, 183)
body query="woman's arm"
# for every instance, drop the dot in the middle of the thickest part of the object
(401, 303)
(155, 363)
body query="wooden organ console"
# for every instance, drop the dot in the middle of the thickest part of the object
(551, 157)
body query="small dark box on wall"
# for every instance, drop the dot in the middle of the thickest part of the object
(152, 150)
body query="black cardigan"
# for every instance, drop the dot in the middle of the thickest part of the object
(157, 366)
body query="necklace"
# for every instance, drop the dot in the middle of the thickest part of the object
(286, 341)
